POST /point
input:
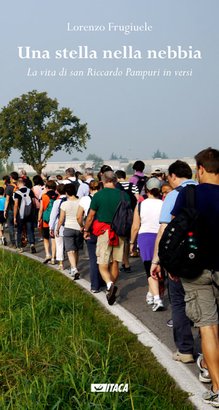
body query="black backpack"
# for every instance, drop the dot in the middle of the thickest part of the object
(123, 217)
(129, 192)
(132, 196)
(180, 248)
(75, 183)
(141, 182)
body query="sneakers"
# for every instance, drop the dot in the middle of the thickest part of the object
(204, 375)
(77, 276)
(170, 323)
(61, 266)
(149, 299)
(47, 259)
(20, 250)
(158, 305)
(95, 290)
(40, 240)
(52, 261)
(212, 398)
(74, 273)
(32, 248)
(4, 242)
(127, 269)
(183, 357)
(111, 294)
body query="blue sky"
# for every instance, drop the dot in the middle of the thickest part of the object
(126, 114)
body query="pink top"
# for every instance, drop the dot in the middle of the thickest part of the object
(37, 190)
(133, 179)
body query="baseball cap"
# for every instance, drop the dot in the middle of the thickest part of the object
(52, 178)
(153, 183)
(157, 171)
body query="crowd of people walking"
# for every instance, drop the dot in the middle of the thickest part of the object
(73, 211)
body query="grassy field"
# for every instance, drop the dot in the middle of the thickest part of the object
(56, 340)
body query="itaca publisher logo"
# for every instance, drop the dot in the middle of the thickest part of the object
(109, 387)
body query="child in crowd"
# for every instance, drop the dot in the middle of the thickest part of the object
(165, 189)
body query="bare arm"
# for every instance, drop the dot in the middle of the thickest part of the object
(60, 221)
(88, 223)
(15, 210)
(155, 266)
(40, 214)
(135, 227)
(6, 205)
(80, 216)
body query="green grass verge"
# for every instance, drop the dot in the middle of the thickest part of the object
(56, 340)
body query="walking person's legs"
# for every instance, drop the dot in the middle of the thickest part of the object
(108, 258)
(95, 277)
(31, 235)
(182, 332)
(20, 225)
(11, 229)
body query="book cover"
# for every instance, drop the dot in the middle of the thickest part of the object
(142, 75)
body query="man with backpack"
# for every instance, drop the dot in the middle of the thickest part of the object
(109, 245)
(24, 214)
(70, 178)
(179, 175)
(132, 190)
(202, 292)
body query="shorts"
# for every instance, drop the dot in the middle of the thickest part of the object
(146, 242)
(202, 298)
(107, 253)
(45, 233)
(2, 218)
(73, 239)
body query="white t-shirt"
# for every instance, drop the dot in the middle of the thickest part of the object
(68, 180)
(70, 208)
(150, 210)
(85, 203)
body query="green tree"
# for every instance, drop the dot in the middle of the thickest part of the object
(34, 124)
(159, 154)
(97, 161)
